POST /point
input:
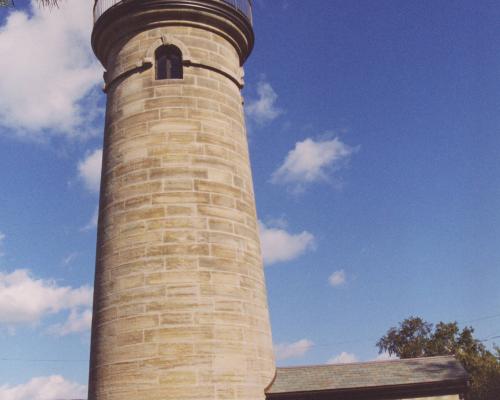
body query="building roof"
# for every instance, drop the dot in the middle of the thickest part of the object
(430, 373)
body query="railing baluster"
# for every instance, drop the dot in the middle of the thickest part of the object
(243, 6)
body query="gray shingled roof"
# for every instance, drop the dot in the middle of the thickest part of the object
(368, 374)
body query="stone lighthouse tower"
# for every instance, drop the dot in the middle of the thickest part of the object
(180, 308)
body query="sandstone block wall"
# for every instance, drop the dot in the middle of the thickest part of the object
(180, 308)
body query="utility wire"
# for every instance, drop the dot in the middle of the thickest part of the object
(42, 360)
(481, 318)
(330, 344)
(313, 345)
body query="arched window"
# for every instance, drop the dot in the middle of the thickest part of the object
(168, 62)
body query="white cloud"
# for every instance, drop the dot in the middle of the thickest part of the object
(69, 258)
(284, 351)
(278, 245)
(89, 170)
(343, 358)
(263, 109)
(92, 224)
(338, 278)
(2, 238)
(25, 300)
(312, 161)
(78, 321)
(280, 222)
(53, 387)
(48, 71)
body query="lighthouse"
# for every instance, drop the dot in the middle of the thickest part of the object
(180, 306)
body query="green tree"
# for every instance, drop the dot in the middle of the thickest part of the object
(415, 337)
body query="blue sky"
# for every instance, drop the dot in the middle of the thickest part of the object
(375, 146)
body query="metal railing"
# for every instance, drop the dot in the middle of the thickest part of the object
(243, 6)
(101, 6)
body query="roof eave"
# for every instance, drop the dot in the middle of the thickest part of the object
(422, 389)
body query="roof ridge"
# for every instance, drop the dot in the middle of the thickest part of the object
(398, 360)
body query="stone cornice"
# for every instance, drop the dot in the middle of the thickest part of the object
(135, 16)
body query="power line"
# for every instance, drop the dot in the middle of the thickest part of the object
(481, 318)
(490, 338)
(330, 344)
(344, 342)
(42, 360)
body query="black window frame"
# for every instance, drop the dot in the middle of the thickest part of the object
(168, 63)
